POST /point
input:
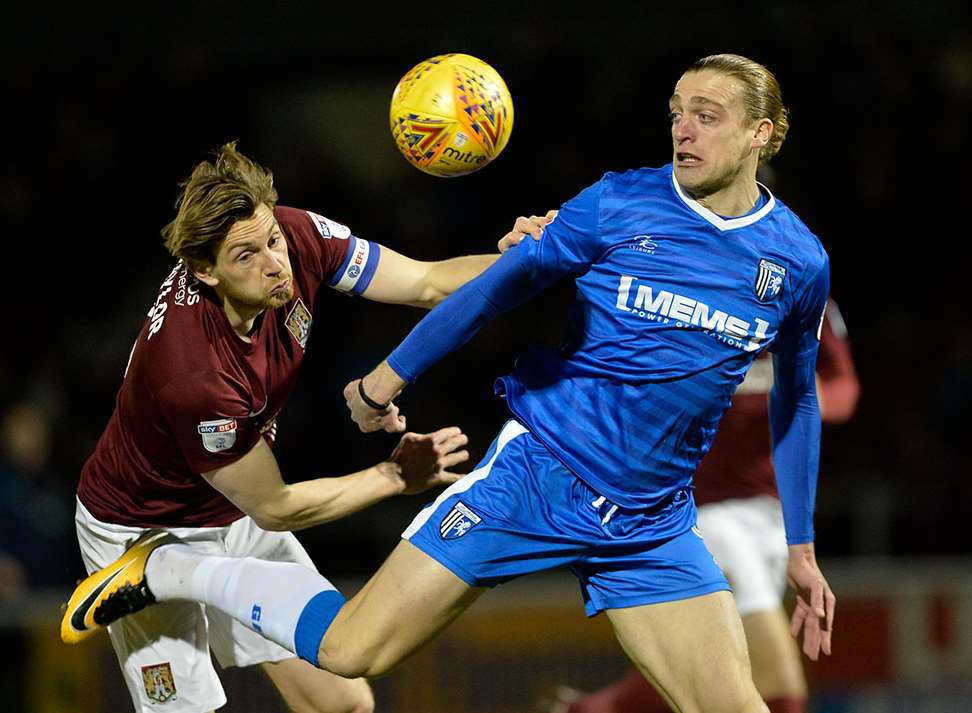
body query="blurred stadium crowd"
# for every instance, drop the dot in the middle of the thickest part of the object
(109, 114)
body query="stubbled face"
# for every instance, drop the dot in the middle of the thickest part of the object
(713, 139)
(252, 267)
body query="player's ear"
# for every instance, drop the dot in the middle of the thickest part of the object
(761, 137)
(204, 273)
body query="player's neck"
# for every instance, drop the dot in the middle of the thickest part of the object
(736, 199)
(241, 317)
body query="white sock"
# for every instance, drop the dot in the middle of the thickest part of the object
(169, 571)
(269, 597)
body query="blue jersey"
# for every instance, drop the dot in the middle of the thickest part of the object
(673, 304)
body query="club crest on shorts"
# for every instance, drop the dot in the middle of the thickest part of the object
(299, 322)
(769, 280)
(458, 522)
(218, 435)
(159, 685)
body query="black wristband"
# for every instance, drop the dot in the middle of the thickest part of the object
(368, 400)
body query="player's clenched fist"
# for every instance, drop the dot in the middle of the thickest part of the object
(424, 459)
(368, 417)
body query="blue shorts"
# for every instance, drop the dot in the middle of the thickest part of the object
(521, 511)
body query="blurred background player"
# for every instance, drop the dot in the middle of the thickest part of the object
(35, 506)
(187, 447)
(742, 523)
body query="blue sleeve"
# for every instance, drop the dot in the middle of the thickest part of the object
(794, 411)
(800, 331)
(569, 245)
(573, 241)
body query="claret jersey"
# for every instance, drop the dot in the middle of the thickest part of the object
(673, 304)
(197, 397)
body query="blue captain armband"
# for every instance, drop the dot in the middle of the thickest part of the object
(358, 267)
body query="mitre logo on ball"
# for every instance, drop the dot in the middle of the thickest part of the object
(451, 115)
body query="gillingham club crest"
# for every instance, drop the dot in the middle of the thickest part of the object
(769, 280)
(458, 522)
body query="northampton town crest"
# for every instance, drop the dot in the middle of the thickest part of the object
(299, 322)
(159, 686)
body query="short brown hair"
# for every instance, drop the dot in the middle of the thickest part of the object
(762, 98)
(213, 198)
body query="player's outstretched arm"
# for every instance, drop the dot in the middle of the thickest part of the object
(571, 248)
(402, 280)
(506, 284)
(254, 483)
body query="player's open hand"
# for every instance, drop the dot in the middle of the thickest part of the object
(815, 602)
(424, 458)
(532, 226)
(371, 419)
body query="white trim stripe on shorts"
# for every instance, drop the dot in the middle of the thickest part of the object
(511, 430)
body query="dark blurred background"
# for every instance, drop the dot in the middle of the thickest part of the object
(108, 109)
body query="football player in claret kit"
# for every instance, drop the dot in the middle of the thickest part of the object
(685, 274)
(187, 450)
(741, 521)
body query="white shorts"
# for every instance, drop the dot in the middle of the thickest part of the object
(164, 649)
(747, 538)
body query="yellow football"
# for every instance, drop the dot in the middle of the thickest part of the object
(451, 115)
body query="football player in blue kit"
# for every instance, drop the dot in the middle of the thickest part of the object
(684, 274)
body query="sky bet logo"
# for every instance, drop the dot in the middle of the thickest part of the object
(218, 435)
(666, 306)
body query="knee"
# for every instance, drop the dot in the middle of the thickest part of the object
(352, 661)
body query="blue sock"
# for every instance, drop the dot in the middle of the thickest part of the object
(314, 622)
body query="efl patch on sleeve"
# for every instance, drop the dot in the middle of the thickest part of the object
(329, 228)
(218, 435)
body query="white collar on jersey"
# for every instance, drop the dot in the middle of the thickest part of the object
(726, 223)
